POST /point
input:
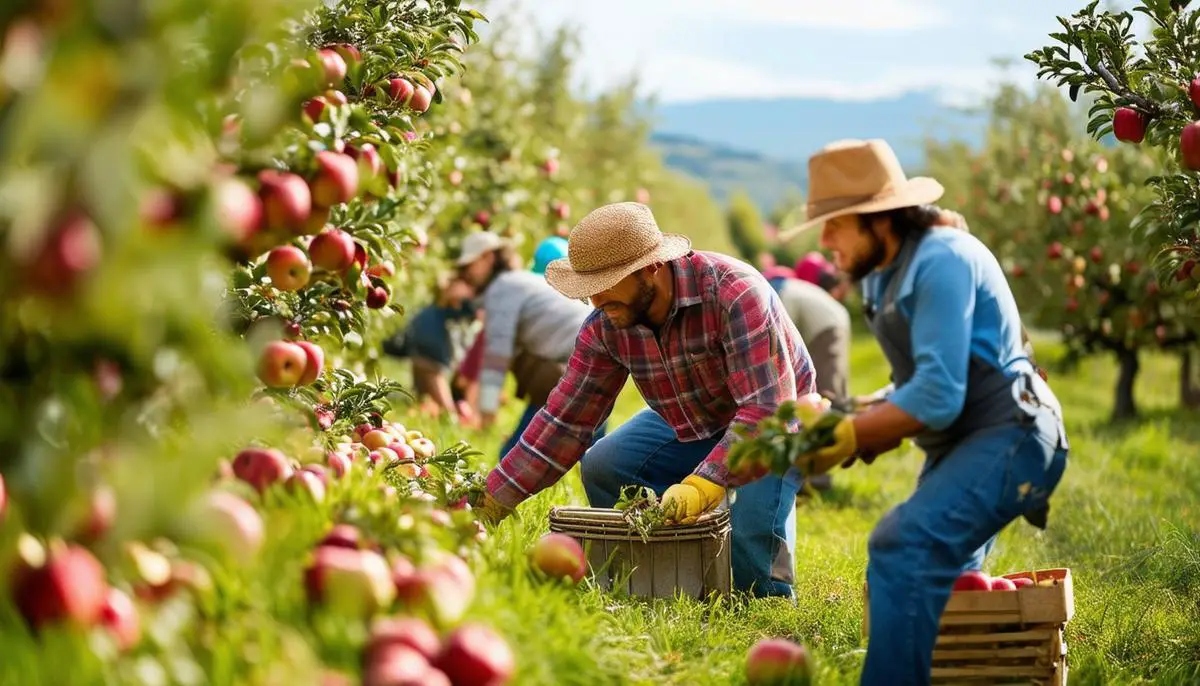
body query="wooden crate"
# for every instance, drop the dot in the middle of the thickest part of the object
(693, 559)
(1005, 637)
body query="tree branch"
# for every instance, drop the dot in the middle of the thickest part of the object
(1148, 107)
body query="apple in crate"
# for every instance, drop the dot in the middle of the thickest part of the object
(999, 583)
(973, 580)
(778, 661)
(559, 556)
(1022, 581)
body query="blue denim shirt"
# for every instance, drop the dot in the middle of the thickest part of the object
(957, 301)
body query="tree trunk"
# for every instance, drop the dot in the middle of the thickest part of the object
(1189, 391)
(1123, 404)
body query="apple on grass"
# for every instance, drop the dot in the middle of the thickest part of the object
(349, 582)
(308, 482)
(120, 617)
(339, 463)
(778, 661)
(288, 268)
(61, 583)
(410, 632)
(343, 536)
(475, 654)
(443, 586)
(229, 522)
(559, 556)
(400, 665)
(261, 467)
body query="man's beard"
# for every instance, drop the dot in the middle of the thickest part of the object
(874, 257)
(640, 307)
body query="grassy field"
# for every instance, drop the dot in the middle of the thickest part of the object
(1125, 520)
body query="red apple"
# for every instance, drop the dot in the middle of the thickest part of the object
(307, 481)
(288, 268)
(261, 467)
(286, 200)
(1096, 254)
(335, 66)
(336, 97)
(1022, 581)
(332, 249)
(550, 166)
(315, 107)
(562, 210)
(1055, 250)
(71, 249)
(973, 581)
(339, 463)
(68, 587)
(349, 53)
(421, 98)
(351, 582)
(1054, 204)
(314, 362)
(336, 180)
(1194, 91)
(3, 498)
(1189, 146)
(377, 297)
(777, 661)
(455, 177)
(999, 583)
(1129, 125)
(406, 631)
(370, 164)
(404, 451)
(483, 218)
(343, 536)
(382, 270)
(643, 196)
(475, 654)
(401, 90)
(120, 617)
(397, 665)
(238, 210)
(559, 556)
(282, 364)
(102, 511)
(225, 519)
(377, 438)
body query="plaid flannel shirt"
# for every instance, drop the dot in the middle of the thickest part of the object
(727, 353)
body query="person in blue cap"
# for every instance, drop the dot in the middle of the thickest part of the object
(547, 251)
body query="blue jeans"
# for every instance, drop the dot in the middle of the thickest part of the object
(645, 452)
(946, 527)
(531, 411)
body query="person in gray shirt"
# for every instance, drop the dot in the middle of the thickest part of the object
(529, 328)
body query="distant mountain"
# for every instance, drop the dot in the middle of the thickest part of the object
(763, 145)
(725, 169)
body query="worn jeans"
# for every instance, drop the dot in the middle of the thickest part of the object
(531, 411)
(645, 452)
(946, 527)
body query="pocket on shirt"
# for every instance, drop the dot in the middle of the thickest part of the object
(706, 370)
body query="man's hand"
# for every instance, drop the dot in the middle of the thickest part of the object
(490, 511)
(810, 409)
(685, 502)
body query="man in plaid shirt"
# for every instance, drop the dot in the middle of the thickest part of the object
(709, 345)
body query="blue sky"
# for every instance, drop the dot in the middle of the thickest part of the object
(843, 49)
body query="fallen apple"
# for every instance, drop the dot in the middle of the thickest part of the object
(475, 654)
(406, 631)
(559, 556)
(69, 586)
(307, 482)
(339, 462)
(224, 519)
(397, 665)
(261, 467)
(778, 661)
(343, 536)
(349, 582)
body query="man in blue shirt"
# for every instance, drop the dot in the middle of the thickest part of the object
(964, 389)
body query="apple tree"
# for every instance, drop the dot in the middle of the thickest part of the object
(1056, 207)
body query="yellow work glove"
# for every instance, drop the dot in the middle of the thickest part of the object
(810, 409)
(490, 511)
(684, 502)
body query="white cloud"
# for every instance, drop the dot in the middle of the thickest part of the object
(867, 15)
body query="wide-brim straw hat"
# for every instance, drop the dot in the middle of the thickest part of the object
(855, 176)
(610, 243)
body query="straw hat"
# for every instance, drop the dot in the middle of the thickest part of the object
(860, 176)
(610, 243)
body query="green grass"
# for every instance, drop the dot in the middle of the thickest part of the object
(1126, 520)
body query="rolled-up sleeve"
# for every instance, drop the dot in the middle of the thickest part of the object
(941, 310)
